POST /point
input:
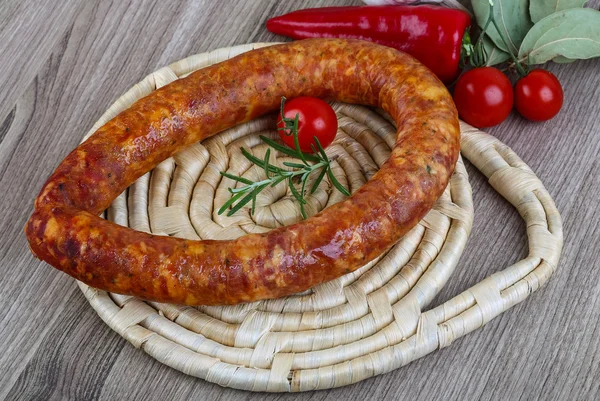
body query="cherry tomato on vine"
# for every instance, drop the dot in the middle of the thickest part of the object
(483, 97)
(538, 95)
(315, 118)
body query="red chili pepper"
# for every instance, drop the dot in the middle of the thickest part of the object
(433, 35)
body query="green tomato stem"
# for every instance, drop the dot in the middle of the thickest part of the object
(518, 65)
(491, 19)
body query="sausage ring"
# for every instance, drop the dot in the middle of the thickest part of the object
(66, 232)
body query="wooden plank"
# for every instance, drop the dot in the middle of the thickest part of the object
(61, 368)
(25, 47)
(87, 53)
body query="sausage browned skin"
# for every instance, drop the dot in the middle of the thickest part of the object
(65, 231)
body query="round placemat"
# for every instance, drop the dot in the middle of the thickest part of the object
(363, 324)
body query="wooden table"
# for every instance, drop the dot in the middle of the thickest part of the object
(63, 62)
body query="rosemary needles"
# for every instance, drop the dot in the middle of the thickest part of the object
(317, 163)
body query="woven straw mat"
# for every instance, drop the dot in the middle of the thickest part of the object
(363, 324)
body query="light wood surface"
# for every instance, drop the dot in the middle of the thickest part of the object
(63, 63)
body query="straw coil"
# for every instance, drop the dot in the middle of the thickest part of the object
(365, 323)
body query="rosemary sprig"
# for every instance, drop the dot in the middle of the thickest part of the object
(274, 175)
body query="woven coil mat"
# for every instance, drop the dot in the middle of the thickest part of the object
(363, 324)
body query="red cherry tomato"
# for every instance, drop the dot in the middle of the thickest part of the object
(315, 118)
(538, 95)
(483, 97)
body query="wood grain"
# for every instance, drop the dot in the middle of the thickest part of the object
(63, 64)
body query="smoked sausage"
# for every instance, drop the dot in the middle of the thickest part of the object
(66, 232)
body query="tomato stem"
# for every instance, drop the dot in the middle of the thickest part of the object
(491, 19)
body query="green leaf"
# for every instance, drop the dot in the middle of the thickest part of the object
(563, 60)
(294, 165)
(287, 151)
(297, 143)
(236, 178)
(295, 192)
(570, 34)
(321, 150)
(259, 162)
(244, 201)
(304, 188)
(266, 161)
(539, 9)
(302, 204)
(318, 180)
(229, 203)
(512, 17)
(493, 54)
(303, 212)
(336, 183)
(251, 157)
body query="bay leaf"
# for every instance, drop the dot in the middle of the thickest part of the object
(494, 54)
(563, 60)
(569, 34)
(539, 9)
(512, 17)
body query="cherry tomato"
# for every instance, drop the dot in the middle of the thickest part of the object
(315, 118)
(538, 95)
(483, 97)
